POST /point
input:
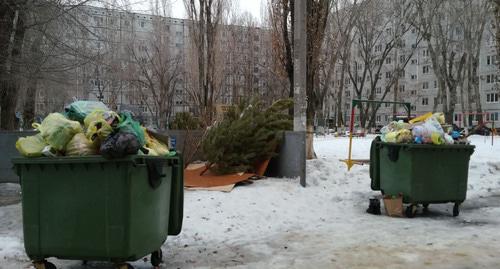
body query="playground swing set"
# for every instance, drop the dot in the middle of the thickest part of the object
(350, 162)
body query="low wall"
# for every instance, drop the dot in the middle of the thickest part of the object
(7, 152)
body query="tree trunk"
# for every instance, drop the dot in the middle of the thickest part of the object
(11, 80)
(310, 153)
(29, 102)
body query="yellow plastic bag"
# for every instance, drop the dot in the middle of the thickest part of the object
(31, 146)
(57, 130)
(421, 118)
(98, 115)
(98, 125)
(155, 147)
(79, 145)
(98, 131)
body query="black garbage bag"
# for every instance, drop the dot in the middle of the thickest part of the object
(120, 144)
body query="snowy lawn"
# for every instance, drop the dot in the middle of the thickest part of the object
(275, 223)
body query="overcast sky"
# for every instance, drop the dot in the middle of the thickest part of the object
(144, 6)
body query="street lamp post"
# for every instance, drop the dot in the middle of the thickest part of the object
(299, 81)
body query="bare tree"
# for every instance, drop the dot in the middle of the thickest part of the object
(379, 34)
(342, 22)
(207, 17)
(281, 19)
(159, 69)
(472, 23)
(436, 22)
(34, 39)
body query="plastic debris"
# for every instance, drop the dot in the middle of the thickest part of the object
(57, 130)
(31, 146)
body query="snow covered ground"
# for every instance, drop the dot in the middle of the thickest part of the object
(275, 223)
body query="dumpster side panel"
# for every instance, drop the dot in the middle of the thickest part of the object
(149, 212)
(440, 175)
(177, 196)
(425, 173)
(375, 164)
(395, 167)
(92, 209)
(71, 203)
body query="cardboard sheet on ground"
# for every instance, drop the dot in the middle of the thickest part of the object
(194, 179)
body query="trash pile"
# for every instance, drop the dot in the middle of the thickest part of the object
(426, 129)
(90, 128)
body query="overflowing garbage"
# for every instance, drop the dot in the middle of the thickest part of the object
(90, 128)
(426, 129)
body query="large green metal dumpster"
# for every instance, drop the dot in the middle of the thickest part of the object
(91, 208)
(423, 174)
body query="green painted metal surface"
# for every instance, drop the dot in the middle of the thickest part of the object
(90, 208)
(424, 174)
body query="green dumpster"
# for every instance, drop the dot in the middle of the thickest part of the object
(423, 174)
(94, 209)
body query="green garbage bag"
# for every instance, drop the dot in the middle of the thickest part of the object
(57, 130)
(129, 125)
(31, 146)
(78, 110)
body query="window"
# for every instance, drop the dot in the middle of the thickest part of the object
(425, 69)
(413, 92)
(378, 48)
(413, 30)
(491, 78)
(377, 62)
(494, 116)
(178, 33)
(348, 93)
(402, 74)
(388, 74)
(387, 105)
(413, 77)
(425, 53)
(142, 24)
(425, 101)
(435, 84)
(379, 118)
(492, 98)
(413, 61)
(378, 90)
(488, 60)
(402, 58)
(386, 117)
(388, 60)
(413, 107)
(401, 88)
(425, 85)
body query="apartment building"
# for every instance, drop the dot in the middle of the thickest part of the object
(114, 48)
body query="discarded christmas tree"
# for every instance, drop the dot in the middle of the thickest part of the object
(248, 134)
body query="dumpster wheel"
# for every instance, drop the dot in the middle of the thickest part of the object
(411, 211)
(456, 209)
(44, 265)
(157, 258)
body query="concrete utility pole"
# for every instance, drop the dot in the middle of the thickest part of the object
(299, 74)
